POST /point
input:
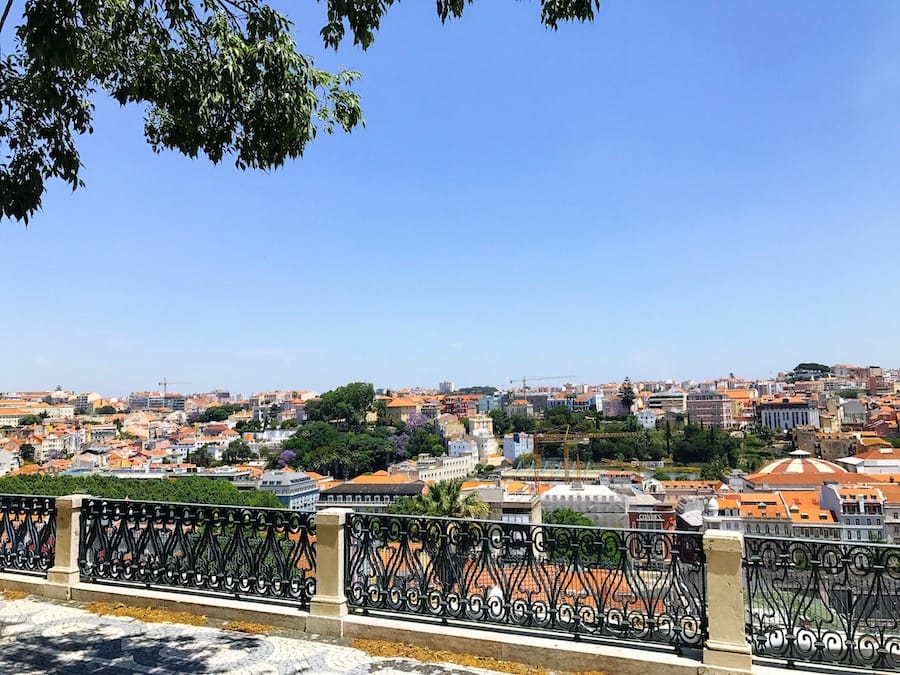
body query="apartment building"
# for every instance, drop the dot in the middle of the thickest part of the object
(710, 408)
(788, 412)
(859, 509)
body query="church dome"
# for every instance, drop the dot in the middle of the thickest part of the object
(800, 462)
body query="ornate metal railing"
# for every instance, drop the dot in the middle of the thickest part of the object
(28, 536)
(239, 551)
(823, 601)
(635, 585)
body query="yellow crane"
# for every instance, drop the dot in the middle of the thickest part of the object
(583, 439)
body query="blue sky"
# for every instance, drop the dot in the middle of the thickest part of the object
(676, 190)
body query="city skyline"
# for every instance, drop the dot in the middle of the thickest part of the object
(670, 192)
(544, 383)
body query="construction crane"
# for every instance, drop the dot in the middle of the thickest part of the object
(165, 385)
(537, 378)
(583, 439)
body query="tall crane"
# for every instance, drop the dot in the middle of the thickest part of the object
(537, 378)
(165, 385)
(581, 438)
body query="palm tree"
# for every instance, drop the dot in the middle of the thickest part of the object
(444, 498)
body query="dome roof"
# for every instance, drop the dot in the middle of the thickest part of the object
(799, 462)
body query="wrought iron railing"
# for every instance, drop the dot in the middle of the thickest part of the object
(257, 553)
(635, 585)
(823, 601)
(28, 536)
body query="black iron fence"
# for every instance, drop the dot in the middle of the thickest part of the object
(258, 553)
(823, 601)
(28, 535)
(634, 585)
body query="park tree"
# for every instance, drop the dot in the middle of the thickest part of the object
(626, 392)
(220, 78)
(444, 498)
(236, 452)
(566, 516)
(345, 406)
(29, 420)
(26, 452)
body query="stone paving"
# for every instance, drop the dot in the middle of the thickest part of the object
(38, 636)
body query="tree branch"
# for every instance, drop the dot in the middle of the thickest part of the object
(5, 14)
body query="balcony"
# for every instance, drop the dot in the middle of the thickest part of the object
(567, 598)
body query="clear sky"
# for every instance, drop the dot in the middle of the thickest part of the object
(676, 190)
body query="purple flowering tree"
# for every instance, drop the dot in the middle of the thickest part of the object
(416, 421)
(399, 441)
(286, 458)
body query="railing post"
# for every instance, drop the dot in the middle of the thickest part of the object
(65, 572)
(329, 605)
(726, 650)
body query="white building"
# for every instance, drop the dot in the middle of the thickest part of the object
(433, 469)
(647, 418)
(295, 490)
(462, 446)
(517, 444)
(597, 502)
(788, 413)
(487, 444)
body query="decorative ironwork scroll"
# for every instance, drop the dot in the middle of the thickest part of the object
(28, 536)
(240, 551)
(635, 585)
(823, 601)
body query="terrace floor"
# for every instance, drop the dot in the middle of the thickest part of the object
(43, 636)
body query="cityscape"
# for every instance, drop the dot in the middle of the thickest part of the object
(812, 453)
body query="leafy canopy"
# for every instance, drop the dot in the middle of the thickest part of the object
(216, 77)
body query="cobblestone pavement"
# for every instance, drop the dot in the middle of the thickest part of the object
(43, 637)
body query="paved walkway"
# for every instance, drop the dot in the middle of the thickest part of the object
(38, 636)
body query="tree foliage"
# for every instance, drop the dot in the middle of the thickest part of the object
(345, 406)
(565, 516)
(221, 78)
(444, 498)
(188, 489)
(26, 452)
(29, 420)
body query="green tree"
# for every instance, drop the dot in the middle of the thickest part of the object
(29, 420)
(290, 423)
(187, 489)
(345, 406)
(626, 392)
(217, 413)
(661, 474)
(223, 78)
(271, 419)
(444, 498)
(565, 516)
(248, 425)
(520, 423)
(200, 457)
(502, 423)
(423, 442)
(106, 410)
(26, 452)
(236, 452)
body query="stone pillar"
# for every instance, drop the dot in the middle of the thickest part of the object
(726, 650)
(329, 604)
(65, 573)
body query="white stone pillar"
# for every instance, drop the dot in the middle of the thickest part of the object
(727, 649)
(65, 573)
(329, 604)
